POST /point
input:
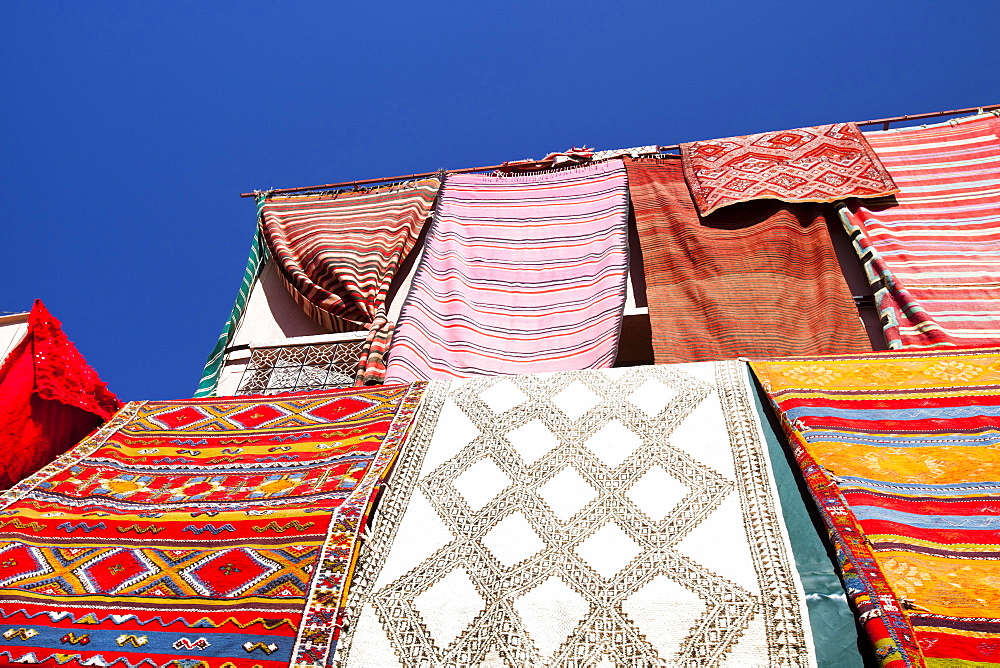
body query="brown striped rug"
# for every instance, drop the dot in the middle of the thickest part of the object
(752, 279)
(338, 254)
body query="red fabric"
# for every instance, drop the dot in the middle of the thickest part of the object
(50, 398)
(818, 164)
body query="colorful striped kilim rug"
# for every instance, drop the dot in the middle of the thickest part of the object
(900, 451)
(759, 278)
(339, 253)
(197, 533)
(932, 254)
(519, 274)
(818, 164)
(580, 518)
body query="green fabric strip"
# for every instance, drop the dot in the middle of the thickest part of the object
(213, 367)
(834, 629)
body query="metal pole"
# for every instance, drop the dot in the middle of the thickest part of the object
(353, 184)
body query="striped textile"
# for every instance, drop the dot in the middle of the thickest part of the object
(933, 254)
(519, 274)
(817, 164)
(209, 382)
(760, 278)
(338, 254)
(198, 533)
(899, 452)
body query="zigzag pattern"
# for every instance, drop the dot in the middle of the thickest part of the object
(20, 634)
(184, 643)
(274, 526)
(519, 274)
(69, 527)
(138, 528)
(130, 639)
(208, 527)
(267, 648)
(18, 524)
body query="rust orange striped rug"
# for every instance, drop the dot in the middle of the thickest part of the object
(758, 278)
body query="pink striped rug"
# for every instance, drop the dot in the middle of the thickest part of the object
(520, 274)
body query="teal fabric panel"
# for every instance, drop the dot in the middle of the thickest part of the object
(834, 627)
(213, 367)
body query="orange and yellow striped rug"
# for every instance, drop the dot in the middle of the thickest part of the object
(901, 452)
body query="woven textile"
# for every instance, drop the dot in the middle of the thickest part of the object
(817, 164)
(635, 152)
(932, 254)
(760, 278)
(339, 253)
(209, 382)
(50, 398)
(197, 533)
(899, 451)
(519, 274)
(625, 516)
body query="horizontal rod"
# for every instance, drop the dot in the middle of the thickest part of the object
(405, 177)
(525, 163)
(896, 119)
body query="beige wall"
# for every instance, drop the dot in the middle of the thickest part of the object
(12, 329)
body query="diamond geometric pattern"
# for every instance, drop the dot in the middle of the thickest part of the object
(223, 417)
(114, 571)
(199, 532)
(577, 542)
(608, 550)
(301, 368)
(19, 561)
(566, 493)
(230, 573)
(819, 164)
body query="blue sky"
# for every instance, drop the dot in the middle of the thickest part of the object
(129, 128)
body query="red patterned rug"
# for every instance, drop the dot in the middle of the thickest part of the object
(818, 164)
(209, 533)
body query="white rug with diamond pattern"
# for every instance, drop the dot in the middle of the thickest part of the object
(617, 517)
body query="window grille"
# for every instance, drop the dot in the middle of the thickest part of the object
(301, 368)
